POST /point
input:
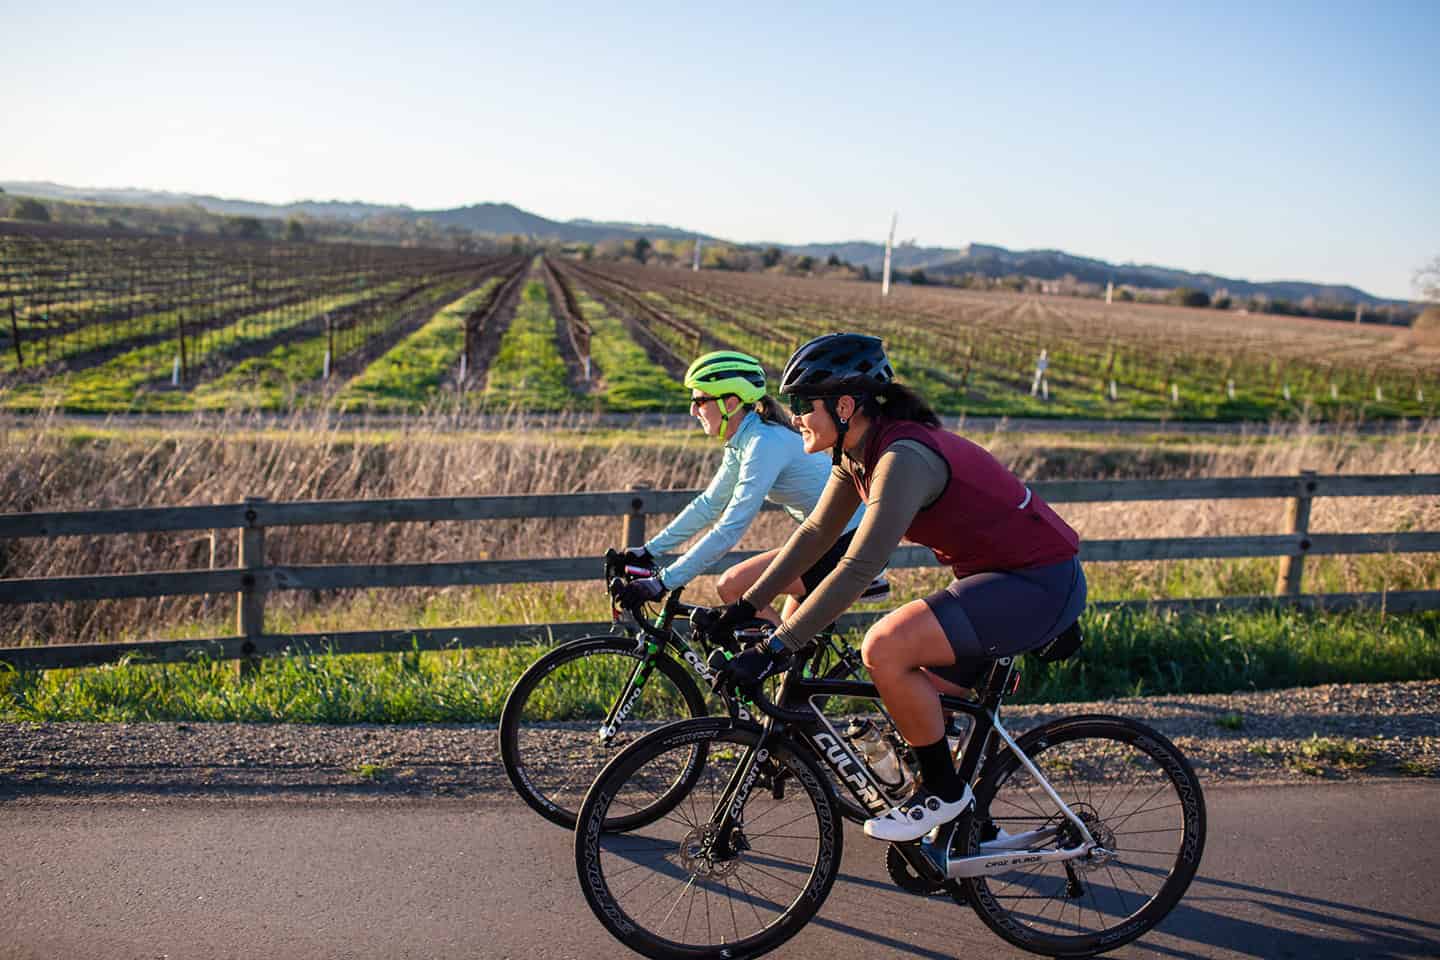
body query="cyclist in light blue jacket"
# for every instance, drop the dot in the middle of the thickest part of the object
(764, 460)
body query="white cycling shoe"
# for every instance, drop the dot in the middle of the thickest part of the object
(917, 816)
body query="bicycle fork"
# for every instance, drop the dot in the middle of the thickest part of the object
(630, 695)
(727, 820)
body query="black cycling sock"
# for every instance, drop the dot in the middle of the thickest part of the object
(937, 771)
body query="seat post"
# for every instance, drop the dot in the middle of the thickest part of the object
(1001, 670)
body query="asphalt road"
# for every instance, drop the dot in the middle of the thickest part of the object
(1322, 871)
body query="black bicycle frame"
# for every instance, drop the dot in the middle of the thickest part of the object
(815, 731)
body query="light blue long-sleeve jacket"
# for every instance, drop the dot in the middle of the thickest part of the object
(763, 461)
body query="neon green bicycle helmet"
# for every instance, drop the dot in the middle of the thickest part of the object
(725, 372)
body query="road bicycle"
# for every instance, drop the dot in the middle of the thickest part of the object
(579, 704)
(1083, 834)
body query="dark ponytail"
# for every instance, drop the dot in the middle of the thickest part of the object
(772, 412)
(896, 401)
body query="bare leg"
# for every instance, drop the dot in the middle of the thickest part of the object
(895, 651)
(734, 582)
(946, 687)
(792, 603)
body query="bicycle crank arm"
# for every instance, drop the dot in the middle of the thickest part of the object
(986, 864)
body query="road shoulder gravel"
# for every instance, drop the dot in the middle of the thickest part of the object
(1334, 733)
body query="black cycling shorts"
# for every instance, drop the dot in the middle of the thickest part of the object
(812, 577)
(1003, 613)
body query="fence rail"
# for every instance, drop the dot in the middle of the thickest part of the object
(253, 579)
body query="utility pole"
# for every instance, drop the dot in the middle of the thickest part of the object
(695, 267)
(889, 243)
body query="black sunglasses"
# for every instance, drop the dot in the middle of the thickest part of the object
(799, 404)
(697, 402)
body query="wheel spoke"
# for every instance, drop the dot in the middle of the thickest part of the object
(1124, 793)
(673, 885)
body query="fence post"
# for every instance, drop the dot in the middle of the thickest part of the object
(633, 535)
(1287, 583)
(250, 602)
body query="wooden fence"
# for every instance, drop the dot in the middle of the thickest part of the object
(254, 579)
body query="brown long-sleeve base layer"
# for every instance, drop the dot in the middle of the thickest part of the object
(908, 477)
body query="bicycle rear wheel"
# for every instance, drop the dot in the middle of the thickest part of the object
(669, 889)
(551, 739)
(1141, 801)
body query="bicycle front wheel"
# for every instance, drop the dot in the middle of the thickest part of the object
(577, 707)
(675, 888)
(1140, 800)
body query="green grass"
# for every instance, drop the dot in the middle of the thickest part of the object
(1319, 756)
(633, 383)
(1419, 768)
(99, 335)
(1230, 721)
(527, 372)
(1080, 369)
(1138, 653)
(1126, 654)
(271, 381)
(115, 385)
(409, 375)
(374, 772)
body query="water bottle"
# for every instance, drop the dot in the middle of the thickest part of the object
(878, 751)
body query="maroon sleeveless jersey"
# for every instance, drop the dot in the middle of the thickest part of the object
(986, 519)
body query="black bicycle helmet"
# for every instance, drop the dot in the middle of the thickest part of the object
(837, 364)
(836, 361)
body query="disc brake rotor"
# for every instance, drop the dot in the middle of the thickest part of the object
(696, 853)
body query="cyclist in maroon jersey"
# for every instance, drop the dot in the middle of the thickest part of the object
(1017, 586)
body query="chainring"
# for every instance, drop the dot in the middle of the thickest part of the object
(905, 876)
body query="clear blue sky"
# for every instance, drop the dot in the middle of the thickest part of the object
(1260, 140)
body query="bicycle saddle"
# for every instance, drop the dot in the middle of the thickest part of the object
(1063, 647)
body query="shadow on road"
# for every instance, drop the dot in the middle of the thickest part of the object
(1216, 918)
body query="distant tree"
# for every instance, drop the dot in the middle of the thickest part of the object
(642, 249)
(1427, 280)
(806, 263)
(865, 273)
(28, 208)
(1187, 297)
(294, 230)
(918, 278)
(587, 250)
(246, 228)
(770, 257)
(833, 260)
(1221, 303)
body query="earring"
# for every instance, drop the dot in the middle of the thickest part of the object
(844, 420)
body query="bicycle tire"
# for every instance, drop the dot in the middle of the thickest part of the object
(551, 749)
(1139, 797)
(671, 898)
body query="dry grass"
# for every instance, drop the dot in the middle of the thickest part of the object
(47, 466)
